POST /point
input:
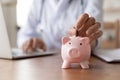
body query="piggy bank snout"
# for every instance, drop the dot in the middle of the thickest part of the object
(74, 53)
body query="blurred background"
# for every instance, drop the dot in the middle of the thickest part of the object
(16, 13)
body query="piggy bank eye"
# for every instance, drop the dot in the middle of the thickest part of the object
(69, 42)
(80, 43)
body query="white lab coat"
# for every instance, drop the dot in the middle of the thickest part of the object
(50, 20)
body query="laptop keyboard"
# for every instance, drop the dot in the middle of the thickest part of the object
(108, 55)
(20, 53)
(112, 54)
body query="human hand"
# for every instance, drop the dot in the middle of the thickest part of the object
(86, 27)
(33, 43)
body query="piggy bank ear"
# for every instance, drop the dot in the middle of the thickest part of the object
(65, 39)
(85, 40)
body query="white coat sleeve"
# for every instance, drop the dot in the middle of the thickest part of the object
(29, 29)
(95, 9)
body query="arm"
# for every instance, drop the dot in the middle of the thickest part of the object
(29, 29)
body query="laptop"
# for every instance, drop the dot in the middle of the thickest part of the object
(5, 48)
(108, 55)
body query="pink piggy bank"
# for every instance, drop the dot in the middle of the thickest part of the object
(75, 50)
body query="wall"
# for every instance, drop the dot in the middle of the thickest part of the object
(111, 10)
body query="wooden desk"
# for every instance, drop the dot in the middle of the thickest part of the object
(49, 68)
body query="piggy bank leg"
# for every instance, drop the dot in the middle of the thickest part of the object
(66, 64)
(85, 64)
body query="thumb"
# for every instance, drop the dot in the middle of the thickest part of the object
(71, 32)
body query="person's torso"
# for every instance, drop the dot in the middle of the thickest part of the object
(57, 18)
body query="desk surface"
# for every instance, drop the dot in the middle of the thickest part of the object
(49, 68)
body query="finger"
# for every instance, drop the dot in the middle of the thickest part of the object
(41, 45)
(30, 49)
(81, 20)
(83, 29)
(71, 31)
(25, 45)
(95, 35)
(34, 43)
(93, 28)
(29, 45)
